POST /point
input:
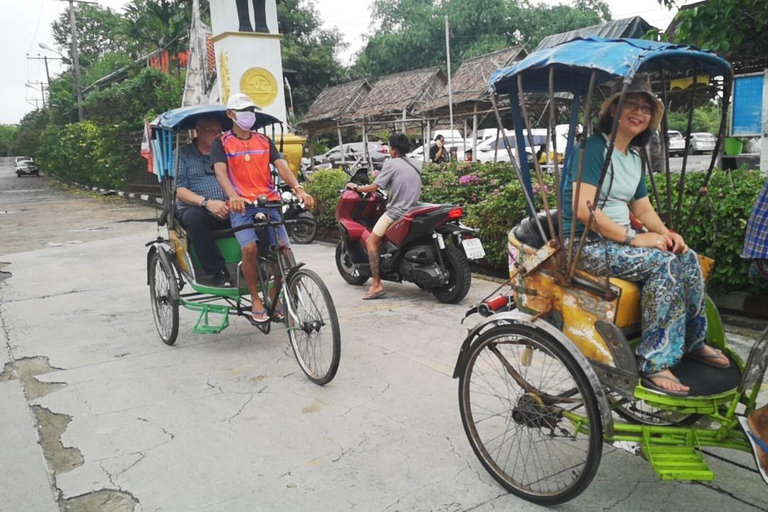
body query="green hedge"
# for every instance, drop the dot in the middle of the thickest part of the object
(83, 153)
(494, 203)
(324, 186)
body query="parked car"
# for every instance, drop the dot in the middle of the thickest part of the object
(450, 143)
(379, 153)
(702, 142)
(487, 149)
(26, 167)
(676, 143)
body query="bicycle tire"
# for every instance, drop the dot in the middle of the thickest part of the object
(529, 415)
(306, 322)
(165, 309)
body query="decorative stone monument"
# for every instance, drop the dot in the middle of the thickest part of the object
(248, 57)
(246, 41)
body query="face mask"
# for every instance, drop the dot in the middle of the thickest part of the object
(245, 120)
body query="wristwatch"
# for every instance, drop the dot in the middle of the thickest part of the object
(204, 202)
(631, 234)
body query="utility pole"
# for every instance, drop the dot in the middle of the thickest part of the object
(450, 89)
(44, 58)
(75, 54)
(31, 85)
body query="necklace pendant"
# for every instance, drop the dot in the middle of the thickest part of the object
(247, 158)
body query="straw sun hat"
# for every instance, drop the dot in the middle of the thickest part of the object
(640, 83)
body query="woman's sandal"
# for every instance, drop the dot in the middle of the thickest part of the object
(648, 383)
(258, 317)
(708, 359)
(756, 443)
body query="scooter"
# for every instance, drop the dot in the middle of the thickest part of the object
(428, 246)
(303, 232)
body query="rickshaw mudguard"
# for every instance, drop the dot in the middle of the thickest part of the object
(520, 318)
(160, 249)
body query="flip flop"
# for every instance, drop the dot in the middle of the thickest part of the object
(254, 319)
(279, 313)
(708, 359)
(756, 443)
(648, 384)
(379, 294)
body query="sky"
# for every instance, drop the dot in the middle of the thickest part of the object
(25, 24)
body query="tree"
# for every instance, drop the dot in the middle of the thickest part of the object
(7, 138)
(99, 31)
(719, 24)
(309, 52)
(31, 127)
(155, 24)
(410, 34)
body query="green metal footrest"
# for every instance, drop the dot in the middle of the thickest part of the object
(203, 327)
(677, 461)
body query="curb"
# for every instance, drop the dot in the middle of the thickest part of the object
(151, 200)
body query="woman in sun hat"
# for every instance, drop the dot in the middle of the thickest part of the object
(673, 291)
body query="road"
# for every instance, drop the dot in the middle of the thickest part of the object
(98, 414)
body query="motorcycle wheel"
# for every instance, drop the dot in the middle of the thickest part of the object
(304, 233)
(349, 273)
(460, 278)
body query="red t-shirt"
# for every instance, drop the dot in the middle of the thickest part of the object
(248, 164)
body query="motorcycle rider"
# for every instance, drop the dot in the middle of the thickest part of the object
(402, 176)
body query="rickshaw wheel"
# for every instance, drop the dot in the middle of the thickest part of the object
(530, 414)
(165, 309)
(313, 327)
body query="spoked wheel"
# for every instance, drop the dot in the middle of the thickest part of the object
(347, 269)
(313, 326)
(530, 414)
(165, 309)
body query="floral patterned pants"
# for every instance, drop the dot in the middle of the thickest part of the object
(672, 293)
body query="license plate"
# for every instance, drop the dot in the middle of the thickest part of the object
(474, 248)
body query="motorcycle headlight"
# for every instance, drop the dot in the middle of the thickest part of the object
(287, 197)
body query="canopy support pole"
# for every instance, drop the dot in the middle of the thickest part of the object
(715, 153)
(688, 146)
(524, 154)
(558, 191)
(606, 164)
(523, 175)
(665, 138)
(575, 104)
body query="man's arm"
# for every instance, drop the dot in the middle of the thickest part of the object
(216, 207)
(287, 176)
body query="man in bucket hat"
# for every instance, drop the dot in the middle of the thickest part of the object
(241, 159)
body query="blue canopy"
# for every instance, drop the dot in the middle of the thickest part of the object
(575, 60)
(184, 118)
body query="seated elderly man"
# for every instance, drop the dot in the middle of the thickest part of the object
(200, 202)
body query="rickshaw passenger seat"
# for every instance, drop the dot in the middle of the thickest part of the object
(528, 233)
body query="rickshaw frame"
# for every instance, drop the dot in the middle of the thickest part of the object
(178, 259)
(669, 448)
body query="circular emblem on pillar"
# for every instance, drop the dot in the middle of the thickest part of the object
(260, 85)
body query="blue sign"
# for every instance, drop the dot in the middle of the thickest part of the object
(746, 120)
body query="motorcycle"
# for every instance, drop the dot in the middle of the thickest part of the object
(428, 246)
(304, 232)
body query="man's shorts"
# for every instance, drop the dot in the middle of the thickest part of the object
(248, 236)
(382, 225)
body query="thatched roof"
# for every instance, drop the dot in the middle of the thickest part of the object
(634, 27)
(470, 83)
(337, 103)
(402, 91)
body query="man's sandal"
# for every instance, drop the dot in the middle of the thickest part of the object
(649, 384)
(258, 317)
(279, 314)
(756, 443)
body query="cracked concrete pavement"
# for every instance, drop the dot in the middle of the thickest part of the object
(99, 414)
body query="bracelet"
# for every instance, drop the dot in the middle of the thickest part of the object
(299, 186)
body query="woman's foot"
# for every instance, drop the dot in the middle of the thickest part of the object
(711, 357)
(666, 381)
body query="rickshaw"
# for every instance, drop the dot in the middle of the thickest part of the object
(549, 374)
(172, 265)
